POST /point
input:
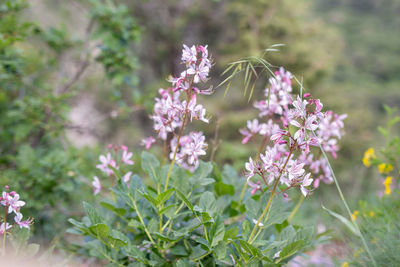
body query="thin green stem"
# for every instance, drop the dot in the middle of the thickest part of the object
(263, 143)
(271, 196)
(345, 203)
(242, 193)
(296, 208)
(202, 256)
(176, 212)
(179, 137)
(141, 220)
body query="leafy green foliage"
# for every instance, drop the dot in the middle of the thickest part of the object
(379, 222)
(196, 221)
(35, 157)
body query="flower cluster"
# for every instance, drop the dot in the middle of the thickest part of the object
(177, 106)
(292, 126)
(12, 204)
(385, 169)
(113, 160)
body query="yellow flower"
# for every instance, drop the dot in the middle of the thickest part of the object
(381, 167)
(387, 183)
(371, 214)
(345, 264)
(354, 215)
(385, 168)
(370, 153)
(358, 252)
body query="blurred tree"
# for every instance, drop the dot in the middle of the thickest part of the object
(36, 85)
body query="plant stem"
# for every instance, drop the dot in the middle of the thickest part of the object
(263, 143)
(141, 220)
(296, 208)
(271, 196)
(179, 137)
(345, 203)
(202, 256)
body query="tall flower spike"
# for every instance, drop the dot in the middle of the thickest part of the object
(291, 121)
(178, 106)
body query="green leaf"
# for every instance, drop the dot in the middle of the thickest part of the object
(161, 198)
(231, 233)
(197, 252)
(178, 251)
(255, 252)
(176, 236)
(184, 199)
(224, 189)
(246, 229)
(345, 221)
(203, 171)
(168, 210)
(205, 244)
(151, 166)
(92, 213)
(134, 224)
(110, 206)
(19, 237)
(151, 199)
(290, 250)
(183, 263)
(221, 251)
(117, 239)
(100, 230)
(133, 252)
(217, 231)
(206, 218)
(208, 203)
(245, 257)
(217, 172)
(206, 181)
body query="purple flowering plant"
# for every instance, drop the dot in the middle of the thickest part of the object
(194, 213)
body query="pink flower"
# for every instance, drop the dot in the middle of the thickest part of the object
(15, 204)
(22, 224)
(255, 187)
(277, 136)
(189, 55)
(107, 161)
(282, 108)
(253, 127)
(171, 110)
(147, 142)
(4, 227)
(96, 185)
(126, 157)
(306, 182)
(252, 168)
(127, 177)
(295, 170)
(190, 148)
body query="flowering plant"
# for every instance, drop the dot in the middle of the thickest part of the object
(192, 213)
(376, 218)
(11, 203)
(387, 160)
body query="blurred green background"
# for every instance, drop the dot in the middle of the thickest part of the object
(346, 51)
